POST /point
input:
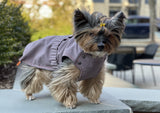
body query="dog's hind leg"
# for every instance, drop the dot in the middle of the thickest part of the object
(92, 88)
(35, 85)
(63, 87)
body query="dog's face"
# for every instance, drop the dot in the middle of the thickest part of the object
(97, 34)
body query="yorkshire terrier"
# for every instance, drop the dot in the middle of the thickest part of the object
(61, 61)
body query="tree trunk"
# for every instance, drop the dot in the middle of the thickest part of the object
(139, 7)
(152, 6)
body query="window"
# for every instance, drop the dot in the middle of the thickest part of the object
(113, 11)
(132, 11)
(102, 1)
(133, 1)
(143, 20)
(138, 20)
(115, 1)
(146, 1)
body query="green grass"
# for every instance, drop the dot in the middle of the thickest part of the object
(58, 30)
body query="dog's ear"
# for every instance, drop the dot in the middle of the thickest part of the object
(118, 17)
(81, 19)
(116, 24)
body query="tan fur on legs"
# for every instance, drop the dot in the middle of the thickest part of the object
(64, 88)
(92, 88)
(36, 85)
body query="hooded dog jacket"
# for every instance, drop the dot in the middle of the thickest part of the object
(47, 53)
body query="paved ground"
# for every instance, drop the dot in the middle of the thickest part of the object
(148, 83)
(112, 81)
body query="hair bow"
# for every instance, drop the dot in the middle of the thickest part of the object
(102, 24)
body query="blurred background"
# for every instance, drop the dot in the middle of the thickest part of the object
(23, 21)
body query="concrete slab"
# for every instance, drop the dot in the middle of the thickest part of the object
(142, 100)
(13, 101)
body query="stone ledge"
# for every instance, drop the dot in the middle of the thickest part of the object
(142, 100)
(13, 101)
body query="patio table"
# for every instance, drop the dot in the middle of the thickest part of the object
(148, 62)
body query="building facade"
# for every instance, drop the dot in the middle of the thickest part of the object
(107, 7)
(130, 7)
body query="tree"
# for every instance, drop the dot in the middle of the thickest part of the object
(14, 33)
(60, 23)
(152, 5)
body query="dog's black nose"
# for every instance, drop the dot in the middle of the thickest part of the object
(100, 47)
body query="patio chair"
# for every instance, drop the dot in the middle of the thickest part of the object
(149, 53)
(123, 60)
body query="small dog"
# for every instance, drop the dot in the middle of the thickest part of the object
(61, 61)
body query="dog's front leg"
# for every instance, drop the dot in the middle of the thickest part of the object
(92, 88)
(64, 88)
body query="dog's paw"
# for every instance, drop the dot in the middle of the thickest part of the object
(69, 106)
(30, 98)
(94, 101)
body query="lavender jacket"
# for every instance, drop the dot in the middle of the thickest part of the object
(47, 54)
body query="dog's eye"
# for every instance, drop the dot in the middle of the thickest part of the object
(104, 41)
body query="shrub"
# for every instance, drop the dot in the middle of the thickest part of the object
(14, 32)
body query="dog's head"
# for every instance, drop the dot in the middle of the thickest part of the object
(97, 34)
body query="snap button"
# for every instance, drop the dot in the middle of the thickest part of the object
(79, 63)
